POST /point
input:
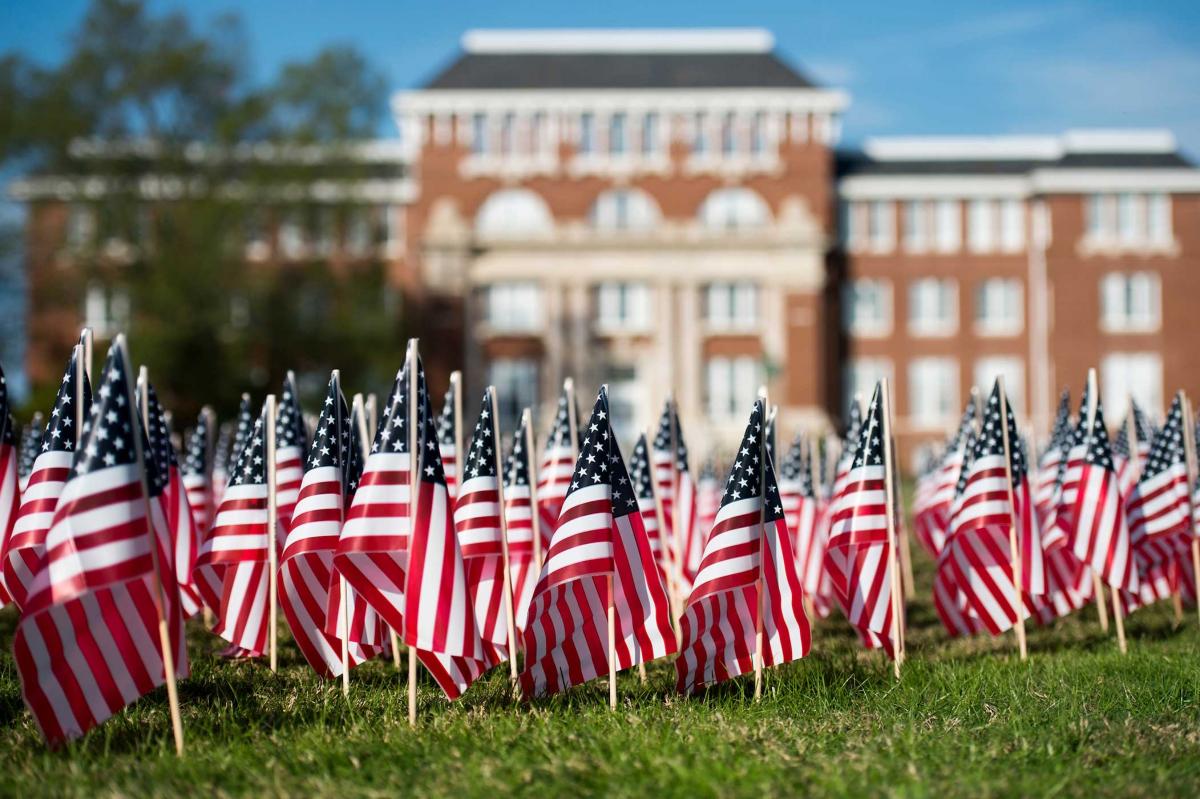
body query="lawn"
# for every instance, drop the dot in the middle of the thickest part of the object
(967, 718)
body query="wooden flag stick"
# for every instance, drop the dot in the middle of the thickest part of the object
(1114, 593)
(160, 602)
(897, 512)
(676, 549)
(762, 520)
(1189, 450)
(572, 421)
(1013, 543)
(810, 443)
(534, 515)
(661, 517)
(509, 617)
(456, 390)
(272, 526)
(890, 499)
(86, 341)
(612, 645)
(413, 488)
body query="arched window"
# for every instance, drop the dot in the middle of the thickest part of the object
(734, 209)
(624, 209)
(513, 213)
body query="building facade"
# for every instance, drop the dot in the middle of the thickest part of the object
(669, 212)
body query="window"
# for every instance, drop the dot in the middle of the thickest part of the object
(881, 230)
(1012, 226)
(734, 209)
(508, 133)
(932, 391)
(758, 124)
(537, 132)
(916, 226)
(933, 307)
(626, 399)
(1128, 219)
(292, 238)
(622, 307)
(728, 134)
(700, 138)
(587, 133)
(1012, 369)
(732, 386)
(650, 133)
(731, 306)
(81, 226)
(516, 382)
(324, 231)
(513, 213)
(867, 307)
(479, 134)
(947, 227)
(981, 226)
(625, 209)
(999, 307)
(616, 134)
(847, 225)
(1130, 302)
(513, 307)
(1131, 374)
(358, 231)
(861, 375)
(106, 310)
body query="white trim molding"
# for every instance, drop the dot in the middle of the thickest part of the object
(619, 40)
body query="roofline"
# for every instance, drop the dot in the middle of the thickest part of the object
(442, 101)
(1020, 147)
(618, 40)
(1038, 182)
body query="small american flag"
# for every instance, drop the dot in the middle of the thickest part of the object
(88, 643)
(949, 600)
(554, 474)
(197, 472)
(983, 519)
(291, 445)
(10, 493)
(857, 557)
(640, 474)
(305, 570)
(932, 520)
(222, 454)
(748, 550)
(1130, 457)
(238, 546)
(1101, 538)
(518, 515)
(599, 537)
(803, 513)
(210, 573)
(1158, 509)
(26, 546)
(673, 481)
(31, 445)
(854, 420)
(447, 427)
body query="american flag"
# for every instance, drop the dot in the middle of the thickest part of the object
(197, 472)
(31, 445)
(932, 518)
(174, 512)
(477, 525)
(949, 600)
(374, 548)
(643, 484)
(554, 473)
(805, 516)
(223, 452)
(1158, 510)
(88, 642)
(291, 446)
(237, 546)
(210, 572)
(854, 420)
(677, 492)
(857, 556)
(982, 557)
(26, 546)
(1070, 470)
(599, 541)
(447, 432)
(305, 570)
(708, 496)
(10, 492)
(518, 515)
(1130, 457)
(748, 551)
(1101, 538)
(1047, 484)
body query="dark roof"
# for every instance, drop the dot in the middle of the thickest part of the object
(855, 162)
(618, 71)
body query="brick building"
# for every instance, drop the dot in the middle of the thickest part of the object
(669, 211)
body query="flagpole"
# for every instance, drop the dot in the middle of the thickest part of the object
(531, 469)
(762, 514)
(1114, 593)
(1189, 451)
(210, 418)
(810, 607)
(661, 516)
(86, 342)
(413, 488)
(508, 595)
(676, 548)
(160, 602)
(890, 499)
(1014, 545)
(572, 421)
(272, 531)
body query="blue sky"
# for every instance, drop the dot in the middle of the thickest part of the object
(910, 68)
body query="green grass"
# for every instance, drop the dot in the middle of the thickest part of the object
(966, 719)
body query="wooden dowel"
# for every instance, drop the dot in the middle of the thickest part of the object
(889, 494)
(759, 586)
(531, 464)
(413, 494)
(509, 617)
(1013, 542)
(272, 530)
(612, 646)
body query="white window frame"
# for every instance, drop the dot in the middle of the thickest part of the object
(1136, 374)
(993, 294)
(731, 305)
(1012, 368)
(1120, 292)
(1012, 225)
(860, 374)
(982, 225)
(513, 307)
(731, 384)
(933, 392)
(943, 291)
(623, 306)
(917, 226)
(881, 226)
(625, 209)
(868, 328)
(947, 226)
